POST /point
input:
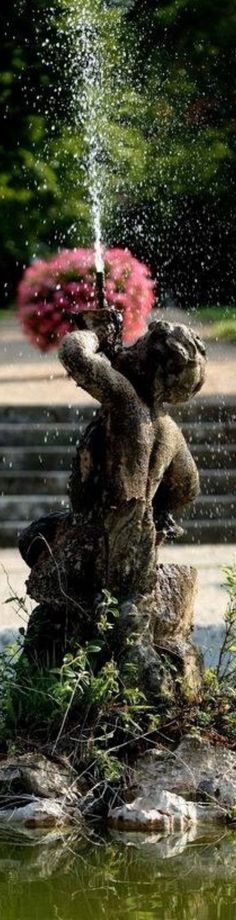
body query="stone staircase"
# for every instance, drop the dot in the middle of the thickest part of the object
(37, 445)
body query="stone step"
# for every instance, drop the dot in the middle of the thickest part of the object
(28, 482)
(214, 507)
(9, 533)
(210, 433)
(217, 482)
(60, 434)
(203, 408)
(206, 408)
(216, 457)
(30, 507)
(37, 445)
(37, 458)
(204, 531)
(52, 482)
(53, 457)
(37, 415)
(66, 433)
(209, 531)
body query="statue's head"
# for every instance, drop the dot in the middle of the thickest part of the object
(178, 361)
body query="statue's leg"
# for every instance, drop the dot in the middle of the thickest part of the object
(179, 487)
(131, 549)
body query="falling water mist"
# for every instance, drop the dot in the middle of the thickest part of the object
(88, 94)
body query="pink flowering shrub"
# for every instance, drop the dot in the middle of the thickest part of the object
(67, 282)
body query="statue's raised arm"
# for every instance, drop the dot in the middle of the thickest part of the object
(127, 431)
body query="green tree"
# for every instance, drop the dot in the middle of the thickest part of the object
(166, 129)
(27, 184)
(39, 155)
(44, 197)
(184, 66)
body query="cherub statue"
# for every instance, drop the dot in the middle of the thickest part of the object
(133, 472)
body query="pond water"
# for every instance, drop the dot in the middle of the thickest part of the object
(138, 878)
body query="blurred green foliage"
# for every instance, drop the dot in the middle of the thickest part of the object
(168, 126)
(40, 158)
(184, 66)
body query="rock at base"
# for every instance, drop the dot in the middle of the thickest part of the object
(164, 782)
(33, 774)
(163, 811)
(155, 631)
(39, 813)
(38, 793)
(197, 768)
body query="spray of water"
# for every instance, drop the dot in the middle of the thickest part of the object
(93, 82)
(87, 93)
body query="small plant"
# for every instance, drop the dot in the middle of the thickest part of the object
(8, 662)
(107, 707)
(226, 667)
(216, 712)
(67, 282)
(107, 611)
(96, 708)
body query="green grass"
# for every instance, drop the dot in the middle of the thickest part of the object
(215, 314)
(225, 329)
(4, 314)
(222, 321)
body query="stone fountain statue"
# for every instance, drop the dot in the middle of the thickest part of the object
(132, 474)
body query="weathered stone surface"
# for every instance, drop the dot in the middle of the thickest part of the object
(158, 627)
(133, 471)
(39, 813)
(127, 480)
(175, 594)
(221, 789)
(152, 628)
(163, 811)
(172, 625)
(188, 660)
(135, 643)
(35, 775)
(38, 793)
(195, 768)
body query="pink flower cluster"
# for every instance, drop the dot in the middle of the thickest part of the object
(68, 282)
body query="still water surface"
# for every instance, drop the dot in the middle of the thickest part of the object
(119, 879)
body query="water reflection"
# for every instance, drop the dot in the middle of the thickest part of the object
(135, 877)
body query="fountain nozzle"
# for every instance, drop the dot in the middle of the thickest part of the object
(100, 289)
